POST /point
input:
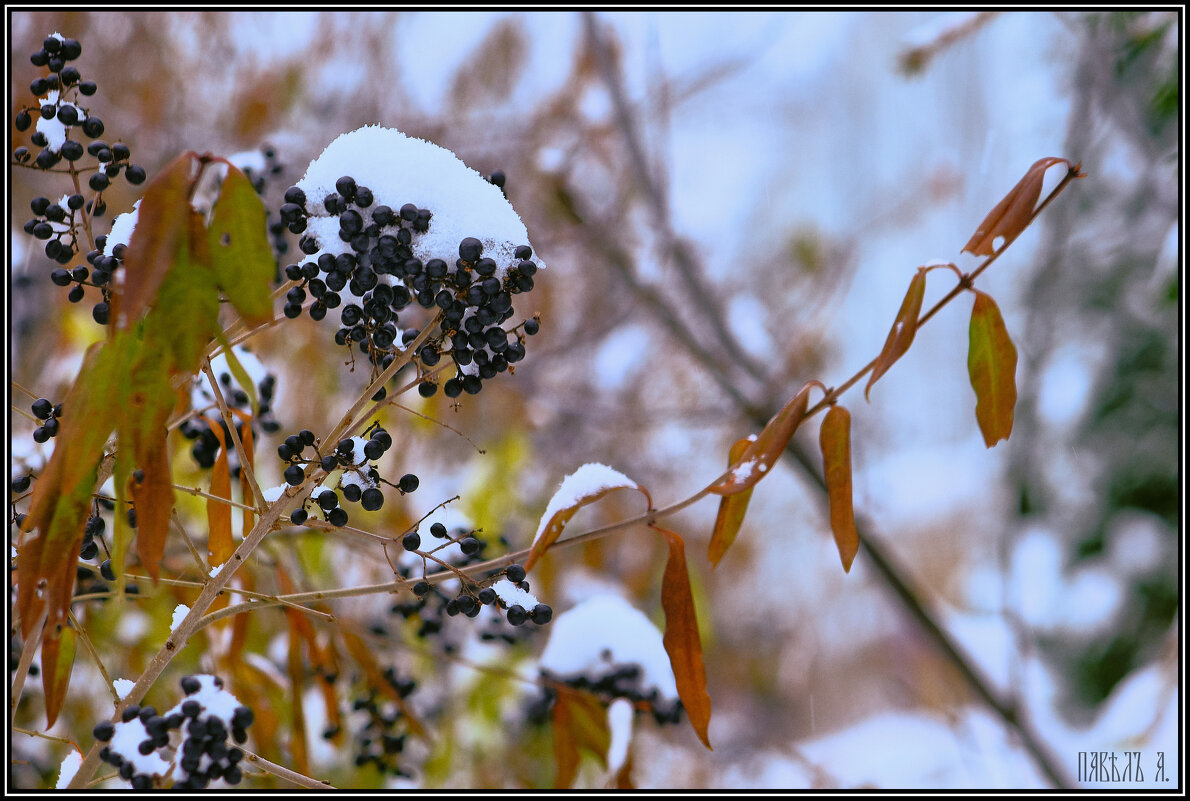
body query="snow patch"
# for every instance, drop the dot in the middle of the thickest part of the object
(401, 169)
(606, 630)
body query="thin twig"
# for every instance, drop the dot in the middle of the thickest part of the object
(90, 648)
(285, 773)
(245, 463)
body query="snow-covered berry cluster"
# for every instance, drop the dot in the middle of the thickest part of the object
(382, 275)
(191, 738)
(56, 117)
(427, 236)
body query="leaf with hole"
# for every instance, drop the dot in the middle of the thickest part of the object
(1012, 215)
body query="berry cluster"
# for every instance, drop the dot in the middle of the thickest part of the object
(93, 529)
(139, 745)
(198, 427)
(618, 681)
(380, 739)
(49, 414)
(505, 600)
(57, 118)
(382, 277)
(359, 482)
(64, 224)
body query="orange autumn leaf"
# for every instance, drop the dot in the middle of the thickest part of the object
(582, 487)
(580, 721)
(1013, 214)
(835, 440)
(904, 328)
(247, 458)
(991, 363)
(763, 452)
(220, 545)
(681, 639)
(731, 511)
(376, 679)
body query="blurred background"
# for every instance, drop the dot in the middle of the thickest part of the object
(728, 205)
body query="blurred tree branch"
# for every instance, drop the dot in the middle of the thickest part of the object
(892, 575)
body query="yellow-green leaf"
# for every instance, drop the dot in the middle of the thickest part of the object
(904, 328)
(991, 363)
(835, 440)
(732, 509)
(57, 659)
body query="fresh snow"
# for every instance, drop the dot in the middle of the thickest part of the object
(122, 228)
(619, 724)
(69, 767)
(513, 595)
(400, 169)
(606, 630)
(588, 480)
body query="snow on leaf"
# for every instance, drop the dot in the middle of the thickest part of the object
(586, 485)
(765, 448)
(732, 507)
(69, 767)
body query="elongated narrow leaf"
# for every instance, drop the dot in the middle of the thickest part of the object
(760, 456)
(161, 227)
(247, 458)
(220, 545)
(904, 328)
(57, 660)
(991, 362)
(835, 439)
(584, 486)
(298, 747)
(580, 722)
(363, 657)
(681, 639)
(61, 501)
(1013, 214)
(731, 511)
